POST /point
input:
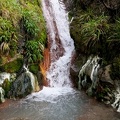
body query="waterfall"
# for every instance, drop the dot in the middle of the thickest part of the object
(61, 49)
(61, 44)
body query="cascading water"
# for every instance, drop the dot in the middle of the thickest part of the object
(61, 52)
(61, 44)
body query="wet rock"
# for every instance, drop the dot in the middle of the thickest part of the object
(104, 75)
(6, 86)
(74, 75)
(77, 63)
(2, 93)
(25, 84)
(40, 79)
(5, 82)
(95, 80)
(116, 103)
(90, 69)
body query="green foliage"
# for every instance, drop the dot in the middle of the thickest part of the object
(33, 51)
(30, 25)
(13, 66)
(86, 16)
(6, 86)
(7, 35)
(34, 25)
(21, 20)
(34, 68)
(114, 32)
(6, 30)
(92, 30)
(10, 9)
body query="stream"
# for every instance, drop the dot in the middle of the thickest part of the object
(59, 101)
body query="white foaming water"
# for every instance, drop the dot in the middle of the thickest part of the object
(50, 94)
(58, 74)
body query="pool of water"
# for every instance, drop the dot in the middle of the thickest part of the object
(60, 105)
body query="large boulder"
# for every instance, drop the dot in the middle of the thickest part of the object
(90, 70)
(96, 80)
(25, 84)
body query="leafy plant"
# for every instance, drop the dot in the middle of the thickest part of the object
(92, 30)
(11, 9)
(30, 25)
(7, 34)
(86, 16)
(6, 30)
(33, 51)
(13, 66)
(115, 32)
(22, 26)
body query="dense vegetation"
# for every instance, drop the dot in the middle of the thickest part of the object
(95, 27)
(22, 33)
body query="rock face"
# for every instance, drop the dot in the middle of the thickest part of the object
(89, 73)
(17, 86)
(97, 82)
(116, 103)
(25, 84)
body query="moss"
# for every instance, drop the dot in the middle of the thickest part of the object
(13, 66)
(6, 86)
(34, 68)
(4, 60)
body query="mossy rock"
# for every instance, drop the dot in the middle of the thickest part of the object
(6, 86)
(34, 68)
(14, 66)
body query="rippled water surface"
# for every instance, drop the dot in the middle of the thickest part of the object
(73, 105)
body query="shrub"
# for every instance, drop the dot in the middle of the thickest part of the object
(92, 30)
(14, 66)
(33, 51)
(11, 9)
(29, 24)
(7, 35)
(34, 68)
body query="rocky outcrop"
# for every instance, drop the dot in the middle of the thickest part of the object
(100, 80)
(96, 80)
(5, 83)
(12, 85)
(116, 103)
(25, 84)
